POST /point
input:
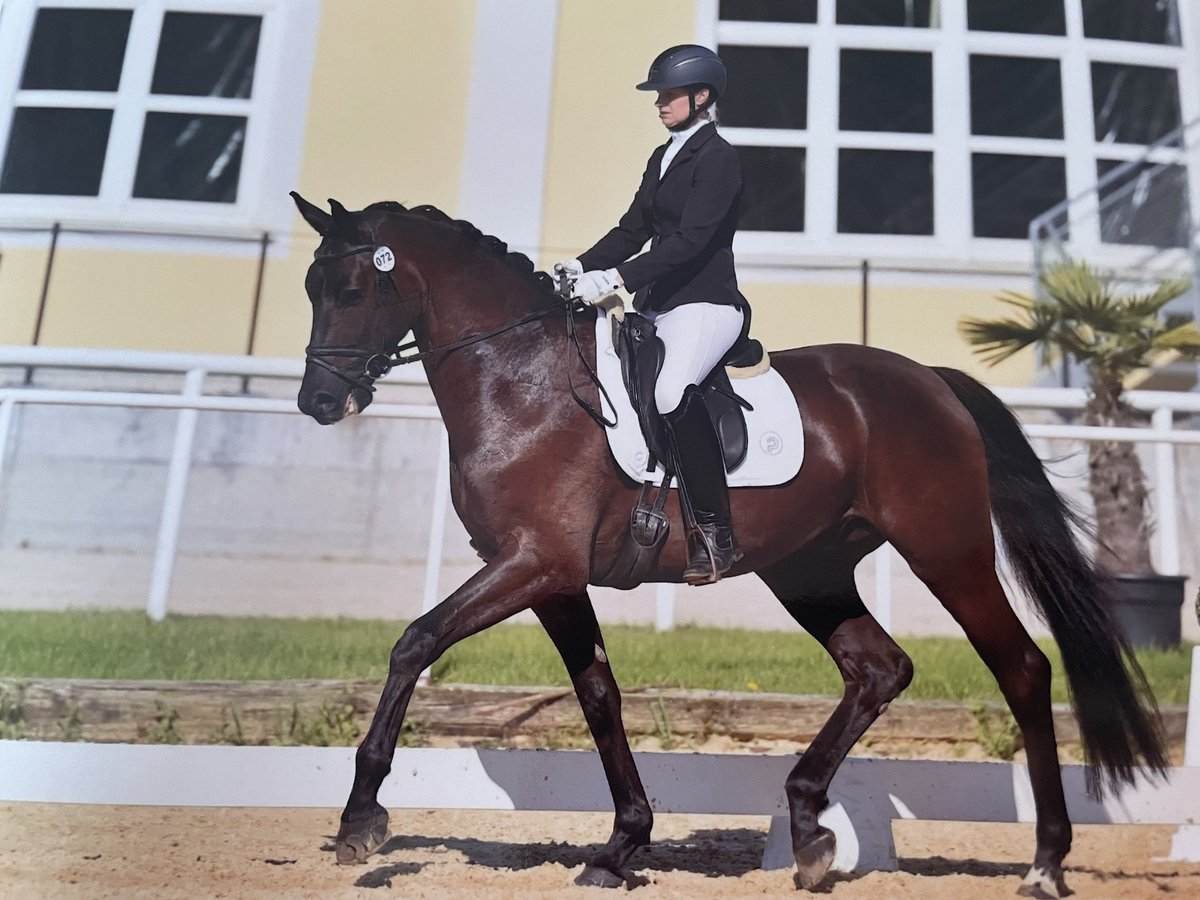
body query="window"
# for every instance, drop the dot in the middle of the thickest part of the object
(746, 102)
(1145, 21)
(1017, 16)
(1015, 96)
(939, 129)
(1146, 206)
(1009, 191)
(1134, 104)
(885, 90)
(900, 13)
(76, 50)
(107, 113)
(773, 188)
(769, 10)
(885, 192)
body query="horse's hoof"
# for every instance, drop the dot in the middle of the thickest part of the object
(598, 876)
(1044, 884)
(814, 859)
(358, 840)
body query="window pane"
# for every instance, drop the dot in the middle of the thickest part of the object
(1008, 192)
(202, 55)
(885, 90)
(1016, 96)
(76, 50)
(1017, 16)
(56, 151)
(768, 87)
(1146, 21)
(903, 13)
(885, 192)
(1134, 104)
(773, 188)
(1147, 206)
(190, 157)
(769, 10)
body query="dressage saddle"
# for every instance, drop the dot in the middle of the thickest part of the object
(641, 350)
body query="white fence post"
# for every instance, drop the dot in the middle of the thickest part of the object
(172, 511)
(664, 606)
(883, 587)
(1185, 843)
(7, 406)
(1165, 502)
(437, 524)
(437, 533)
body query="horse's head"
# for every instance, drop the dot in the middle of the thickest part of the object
(365, 299)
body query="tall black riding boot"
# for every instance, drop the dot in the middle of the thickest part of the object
(700, 467)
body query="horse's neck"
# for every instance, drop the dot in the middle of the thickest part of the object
(514, 381)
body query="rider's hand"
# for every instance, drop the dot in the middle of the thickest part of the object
(573, 267)
(591, 286)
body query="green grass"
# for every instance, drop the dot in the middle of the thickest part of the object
(127, 645)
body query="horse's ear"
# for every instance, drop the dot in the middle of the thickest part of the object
(321, 221)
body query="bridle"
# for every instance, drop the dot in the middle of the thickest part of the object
(378, 363)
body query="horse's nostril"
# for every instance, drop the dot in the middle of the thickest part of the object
(325, 402)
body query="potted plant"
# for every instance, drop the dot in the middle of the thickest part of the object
(1084, 316)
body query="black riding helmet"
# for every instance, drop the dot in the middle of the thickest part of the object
(687, 66)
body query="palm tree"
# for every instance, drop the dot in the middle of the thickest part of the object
(1084, 317)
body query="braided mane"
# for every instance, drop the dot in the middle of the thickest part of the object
(518, 262)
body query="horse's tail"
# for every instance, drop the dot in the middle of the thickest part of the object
(1118, 719)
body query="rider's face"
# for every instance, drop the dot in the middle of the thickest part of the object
(673, 107)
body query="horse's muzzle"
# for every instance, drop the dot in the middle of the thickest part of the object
(327, 407)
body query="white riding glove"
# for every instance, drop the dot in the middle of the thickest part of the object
(592, 286)
(573, 267)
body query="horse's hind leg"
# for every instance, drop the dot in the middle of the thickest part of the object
(966, 584)
(817, 588)
(571, 624)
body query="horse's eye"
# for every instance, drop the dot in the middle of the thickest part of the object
(348, 296)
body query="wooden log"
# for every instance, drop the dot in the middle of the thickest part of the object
(281, 712)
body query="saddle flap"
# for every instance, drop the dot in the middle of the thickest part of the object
(728, 413)
(641, 352)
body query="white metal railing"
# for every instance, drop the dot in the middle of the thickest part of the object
(192, 399)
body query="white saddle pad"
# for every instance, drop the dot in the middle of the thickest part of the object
(775, 434)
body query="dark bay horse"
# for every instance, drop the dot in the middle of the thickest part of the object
(895, 451)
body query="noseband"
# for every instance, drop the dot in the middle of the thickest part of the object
(377, 364)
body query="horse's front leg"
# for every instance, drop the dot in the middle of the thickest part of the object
(514, 580)
(571, 624)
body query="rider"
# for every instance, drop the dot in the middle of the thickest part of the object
(686, 207)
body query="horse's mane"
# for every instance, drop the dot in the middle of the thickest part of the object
(518, 262)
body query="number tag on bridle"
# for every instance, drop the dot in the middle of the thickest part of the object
(384, 259)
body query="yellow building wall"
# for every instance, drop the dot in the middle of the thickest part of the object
(602, 130)
(917, 322)
(150, 301)
(386, 121)
(21, 273)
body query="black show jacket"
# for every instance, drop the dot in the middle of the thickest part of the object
(689, 217)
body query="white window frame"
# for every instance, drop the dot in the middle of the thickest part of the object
(952, 246)
(276, 112)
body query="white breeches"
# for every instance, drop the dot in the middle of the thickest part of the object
(696, 336)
